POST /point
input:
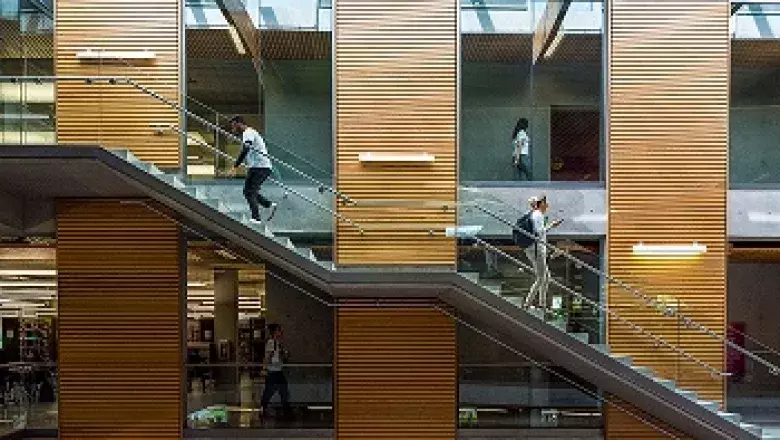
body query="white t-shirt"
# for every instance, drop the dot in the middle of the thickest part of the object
(537, 219)
(273, 351)
(257, 157)
(522, 143)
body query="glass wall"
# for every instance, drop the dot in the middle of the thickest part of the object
(26, 110)
(282, 88)
(755, 95)
(233, 309)
(753, 389)
(531, 91)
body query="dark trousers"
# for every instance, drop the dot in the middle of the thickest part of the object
(276, 382)
(523, 167)
(254, 180)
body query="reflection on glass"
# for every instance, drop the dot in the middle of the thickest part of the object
(26, 110)
(518, 64)
(755, 95)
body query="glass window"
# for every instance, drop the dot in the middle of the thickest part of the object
(755, 95)
(532, 92)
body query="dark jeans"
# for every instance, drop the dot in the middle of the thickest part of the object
(523, 167)
(254, 180)
(275, 381)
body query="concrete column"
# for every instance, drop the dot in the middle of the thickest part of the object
(226, 311)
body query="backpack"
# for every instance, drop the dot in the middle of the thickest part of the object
(523, 233)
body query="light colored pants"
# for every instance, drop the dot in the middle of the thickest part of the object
(537, 255)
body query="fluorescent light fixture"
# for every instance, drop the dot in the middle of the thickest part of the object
(673, 250)
(9, 283)
(100, 54)
(236, 40)
(196, 284)
(29, 93)
(382, 157)
(28, 273)
(763, 217)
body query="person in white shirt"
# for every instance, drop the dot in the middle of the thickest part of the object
(259, 166)
(273, 361)
(537, 252)
(521, 152)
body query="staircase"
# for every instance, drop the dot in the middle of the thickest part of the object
(622, 365)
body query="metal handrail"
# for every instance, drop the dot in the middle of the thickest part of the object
(276, 146)
(128, 81)
(287, 188)
(667, 311)
(605, 309)
(334, 305)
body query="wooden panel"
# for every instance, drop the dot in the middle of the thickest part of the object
(668, 146)
(396, 77)
(396, 373)
(637, 425)
(120, 313)
(119, 116)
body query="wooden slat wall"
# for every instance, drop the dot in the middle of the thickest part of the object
(668, 146)
(636, 425)
(396, 92)
(396, 373)
(119, 116)
(120, 312)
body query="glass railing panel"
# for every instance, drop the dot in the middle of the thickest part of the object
(753, 155)
(231, 396)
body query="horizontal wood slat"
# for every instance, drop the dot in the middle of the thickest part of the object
(631, 423)
(668, 146)
(120, 314)
(118, 115)
(396, 373)
(396, 93)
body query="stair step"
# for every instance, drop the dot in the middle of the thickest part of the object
(668, 383)
(603, 348)
(284, 241)
(582, 337)
(124, 153)
(493, 287)
(150, 168)
(559, 324)
(710, 405)
(192, 192)
(539, 313)
(516, 301)
(623, 359)
(172, 180)
(731, 417)
(471, 276)
(307, 253)
(642, 370)
(753, 429)
(217, 205)
(327, 265)
(690, 395)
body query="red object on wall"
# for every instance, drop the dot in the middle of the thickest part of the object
(735, 360)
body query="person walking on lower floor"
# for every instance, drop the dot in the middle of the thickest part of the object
(259, 168)
(537, 252)
(275, 380)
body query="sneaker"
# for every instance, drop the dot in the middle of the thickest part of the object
(255, 221)
(273, 211)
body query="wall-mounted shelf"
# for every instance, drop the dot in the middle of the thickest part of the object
(396, 158)
(90, 54)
